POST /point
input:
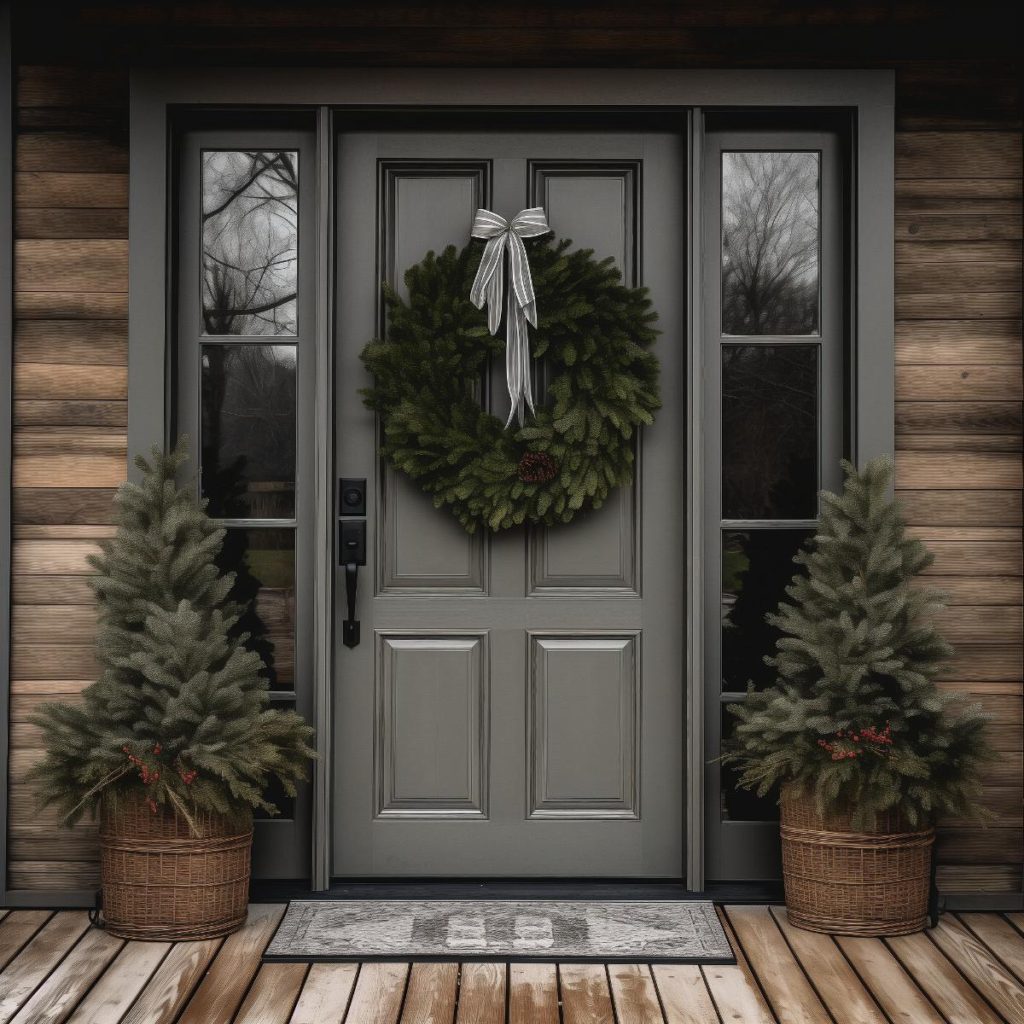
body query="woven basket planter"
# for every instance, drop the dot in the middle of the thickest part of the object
(847, 882)
(164, 884)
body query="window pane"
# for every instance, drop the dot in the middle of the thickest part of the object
(263, 561)
(770, 243)
(248, 427)
(250, 240)
(757, 566)
(743, 804)
(769, 431)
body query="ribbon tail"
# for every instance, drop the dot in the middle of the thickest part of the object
(513, 364)
(517, 364)
(488, 285)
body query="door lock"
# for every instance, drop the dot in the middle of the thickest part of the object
(352, 496)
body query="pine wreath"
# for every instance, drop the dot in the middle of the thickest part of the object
(594, 336)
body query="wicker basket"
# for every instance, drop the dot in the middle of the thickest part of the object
(164, 884)
(853, 883)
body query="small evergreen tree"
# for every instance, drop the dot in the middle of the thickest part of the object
(854, 715)
(181, 710)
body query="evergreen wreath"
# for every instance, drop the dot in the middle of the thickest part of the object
(593, 334)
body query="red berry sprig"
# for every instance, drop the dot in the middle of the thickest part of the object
(868, 735)
(150, 774)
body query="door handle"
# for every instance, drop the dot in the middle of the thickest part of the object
(352, 554)
(350, 627)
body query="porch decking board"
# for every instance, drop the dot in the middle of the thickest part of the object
(431, 994)
(482, 991)
(274, 993)
(326, 992)
(533, 994)
(169, 989)
(17, 927)
(109, 999)
(225, 985)
(38, 960)
(834, 980)
(953, 995)
(586, 998)
(888, 981)
(1001, 938)
(980, 967)
(961, 973)
(684, 994)
(57, 996)
(380, 989)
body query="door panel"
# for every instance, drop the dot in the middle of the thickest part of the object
(515, 706)
(584, 696)
(426, 205)
(431, 726)
(600, 552)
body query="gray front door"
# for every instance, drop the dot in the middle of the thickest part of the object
(515, 706)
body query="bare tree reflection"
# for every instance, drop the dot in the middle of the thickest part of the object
(769, 243)
(250, 235)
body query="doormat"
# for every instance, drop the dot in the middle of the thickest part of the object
(606, 931)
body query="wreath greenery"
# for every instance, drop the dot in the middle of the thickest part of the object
(593, 335)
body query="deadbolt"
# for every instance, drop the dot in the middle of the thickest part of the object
(352, 496)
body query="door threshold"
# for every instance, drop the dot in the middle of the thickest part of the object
(515, 889)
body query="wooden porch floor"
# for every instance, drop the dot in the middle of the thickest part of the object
(54, 968)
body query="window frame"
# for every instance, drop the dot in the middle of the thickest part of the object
(749, 849)
(283, 840)
(868, 97)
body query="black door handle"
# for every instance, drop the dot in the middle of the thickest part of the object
(352, 554)
(350, 627)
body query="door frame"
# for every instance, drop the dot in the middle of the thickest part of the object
(157, 95)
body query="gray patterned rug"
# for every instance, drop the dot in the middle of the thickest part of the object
(612, 931)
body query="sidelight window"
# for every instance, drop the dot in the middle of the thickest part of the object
(774, 357)
(244, 359)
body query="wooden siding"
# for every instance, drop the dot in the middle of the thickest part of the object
(958, 308)
(70, 416)
(958, 444)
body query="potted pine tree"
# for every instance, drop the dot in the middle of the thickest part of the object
(175, 744)
(865, 750)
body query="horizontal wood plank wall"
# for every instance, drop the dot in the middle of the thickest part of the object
(958, 305)
(958, 441)
(70, 404)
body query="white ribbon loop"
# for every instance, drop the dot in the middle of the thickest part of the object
(489, 288)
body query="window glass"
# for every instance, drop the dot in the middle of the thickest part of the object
(263, 561)
(770, 228)
(757, 566)
(248, 430)
(250, 242)
(769, 431)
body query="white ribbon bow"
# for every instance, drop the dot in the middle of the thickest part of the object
(489, 287)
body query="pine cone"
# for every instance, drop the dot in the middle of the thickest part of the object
(537, 468)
